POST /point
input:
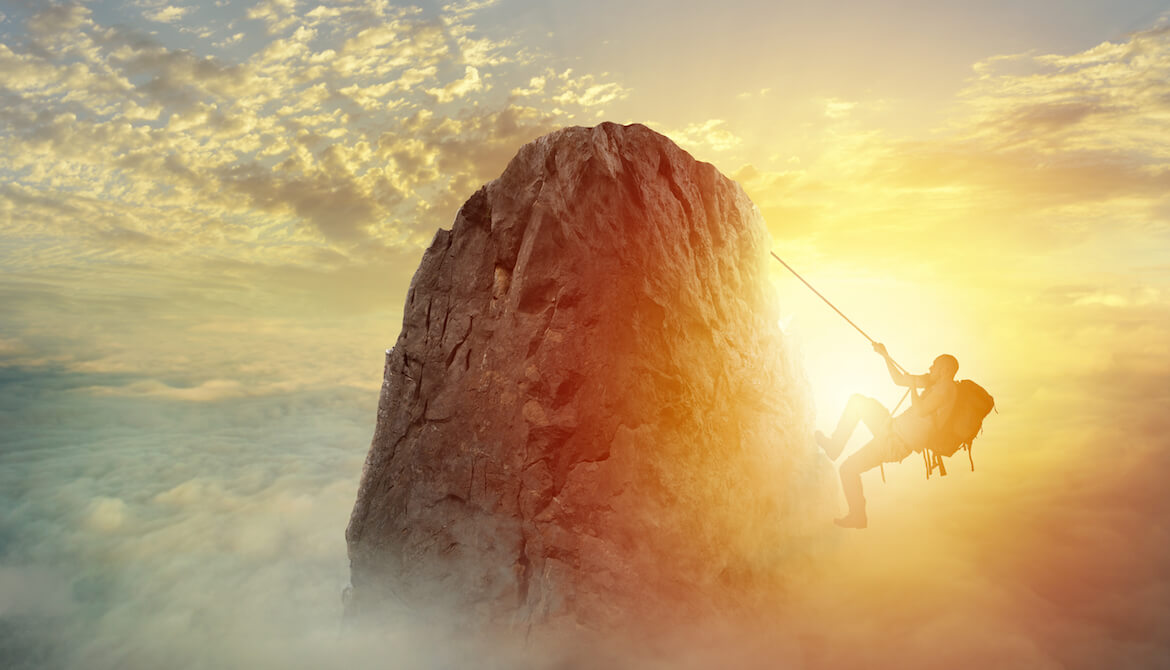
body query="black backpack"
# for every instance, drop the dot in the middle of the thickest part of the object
(972, 404)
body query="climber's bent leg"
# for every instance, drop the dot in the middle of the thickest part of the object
(859, 409)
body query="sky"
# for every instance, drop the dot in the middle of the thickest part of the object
(210, 213)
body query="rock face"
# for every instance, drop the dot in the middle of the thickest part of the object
(590, 415)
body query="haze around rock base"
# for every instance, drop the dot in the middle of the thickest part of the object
(590, 417)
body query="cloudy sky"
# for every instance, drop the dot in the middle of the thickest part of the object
(210, 212)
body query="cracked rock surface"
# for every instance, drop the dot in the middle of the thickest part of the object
(590, 415)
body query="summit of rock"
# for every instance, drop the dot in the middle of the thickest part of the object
(590, 415)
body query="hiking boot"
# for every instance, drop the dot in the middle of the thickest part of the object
(851, 520)
(831, 448)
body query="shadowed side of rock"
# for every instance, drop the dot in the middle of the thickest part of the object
(590, 415)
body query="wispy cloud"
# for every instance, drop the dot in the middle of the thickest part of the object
(584, 89)
(836, 109)
(470, 83)
(711, 134)
(168, 14)
(276, 14)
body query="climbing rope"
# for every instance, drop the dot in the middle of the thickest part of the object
(842, 314)
(811, 288)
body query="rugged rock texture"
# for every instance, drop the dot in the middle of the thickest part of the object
(590, 415)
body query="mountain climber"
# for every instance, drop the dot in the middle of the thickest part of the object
(893, 438)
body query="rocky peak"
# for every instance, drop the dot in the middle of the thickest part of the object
(590, 415)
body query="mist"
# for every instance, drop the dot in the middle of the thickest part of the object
(143, 532)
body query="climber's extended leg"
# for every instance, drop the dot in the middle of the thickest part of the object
(868, 457)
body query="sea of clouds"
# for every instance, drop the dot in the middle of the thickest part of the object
(150, 532)
(146, 532)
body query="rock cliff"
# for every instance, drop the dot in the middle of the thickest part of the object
(590, 415)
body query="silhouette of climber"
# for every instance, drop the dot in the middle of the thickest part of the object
(893, 438)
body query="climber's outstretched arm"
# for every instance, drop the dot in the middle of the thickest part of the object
(900, 378)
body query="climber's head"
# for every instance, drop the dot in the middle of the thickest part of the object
(944, 368)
